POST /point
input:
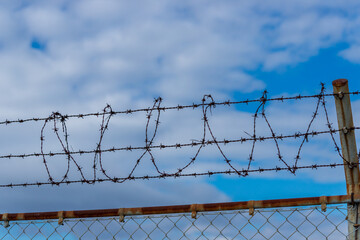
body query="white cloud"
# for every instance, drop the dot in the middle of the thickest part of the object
(166, 48)
(352, 53)
(125, 53)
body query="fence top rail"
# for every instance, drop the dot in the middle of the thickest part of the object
(191, 208)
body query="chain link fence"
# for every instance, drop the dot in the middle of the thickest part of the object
(276, 224)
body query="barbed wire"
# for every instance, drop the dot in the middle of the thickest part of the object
(179, 145)
(208, 138)
(178, 107)
(178, 175)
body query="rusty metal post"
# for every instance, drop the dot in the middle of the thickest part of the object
(349, 151)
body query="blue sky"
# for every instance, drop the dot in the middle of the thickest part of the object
(322, 67)
(77, 56)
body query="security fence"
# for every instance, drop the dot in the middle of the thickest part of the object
(280, 223)
(332, 217)
(301, 218)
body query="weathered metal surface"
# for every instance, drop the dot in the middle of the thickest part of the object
(348, 149)
(347, 136)
(276, 203)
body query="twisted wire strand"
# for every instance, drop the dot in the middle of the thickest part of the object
(244, 173)
(181, 145)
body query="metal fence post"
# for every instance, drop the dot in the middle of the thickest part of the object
(349, 151)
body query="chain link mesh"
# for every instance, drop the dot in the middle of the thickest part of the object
(276, 224)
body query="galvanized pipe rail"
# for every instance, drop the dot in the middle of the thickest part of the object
(193, 208)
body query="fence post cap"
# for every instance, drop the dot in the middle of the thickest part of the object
(340, 82)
